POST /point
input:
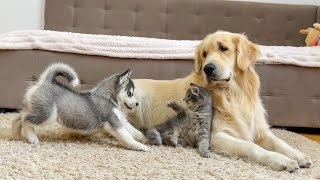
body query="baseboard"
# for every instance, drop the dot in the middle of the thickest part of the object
(5, 110)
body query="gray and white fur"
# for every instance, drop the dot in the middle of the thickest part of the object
(191, 126)
(103, 107)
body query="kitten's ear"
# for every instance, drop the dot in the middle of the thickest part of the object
(127, 73)
(194, 90)
(124, 76)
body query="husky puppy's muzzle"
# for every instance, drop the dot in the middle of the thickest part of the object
(130, 102)
(212, 73)
(131, 105)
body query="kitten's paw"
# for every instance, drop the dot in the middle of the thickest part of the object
(179, 145)
(205, 154)
(170, 103)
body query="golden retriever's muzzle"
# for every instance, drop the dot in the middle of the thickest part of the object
(212, 74)
(210, 70)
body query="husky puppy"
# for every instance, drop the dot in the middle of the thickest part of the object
(191, 126)
(103, 107)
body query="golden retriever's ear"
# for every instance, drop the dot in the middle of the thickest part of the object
(247, 52)
(198, 58)
(304, 31)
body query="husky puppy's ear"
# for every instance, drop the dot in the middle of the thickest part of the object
(124, 76)
(128, 72)
(194, 90)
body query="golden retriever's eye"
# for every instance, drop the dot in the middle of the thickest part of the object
(223, 48)
(204, 54)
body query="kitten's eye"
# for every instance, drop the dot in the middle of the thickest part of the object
(129, 93)
(204, 54)
(222, 48)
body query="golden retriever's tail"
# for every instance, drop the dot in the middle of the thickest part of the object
(153, 136)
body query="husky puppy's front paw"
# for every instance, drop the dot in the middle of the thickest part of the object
(140, 137)
(143, 139)
(142, 147)
(33, 140)
(138, 147)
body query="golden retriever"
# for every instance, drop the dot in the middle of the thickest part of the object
(224, 65)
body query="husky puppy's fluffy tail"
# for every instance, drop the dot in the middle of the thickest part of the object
(59, 69)
(153, 136)
(49, 75)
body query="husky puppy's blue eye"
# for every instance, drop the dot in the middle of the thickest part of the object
(129, 94)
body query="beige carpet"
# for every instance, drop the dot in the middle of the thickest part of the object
(63, 156)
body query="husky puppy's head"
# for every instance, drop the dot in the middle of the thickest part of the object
(125, 97)
(196, 96)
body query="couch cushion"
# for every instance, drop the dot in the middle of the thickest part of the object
(267, 24)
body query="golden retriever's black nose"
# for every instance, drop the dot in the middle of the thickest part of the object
(209, 69)
(137, 104)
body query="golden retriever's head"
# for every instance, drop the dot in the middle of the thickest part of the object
(221, 55)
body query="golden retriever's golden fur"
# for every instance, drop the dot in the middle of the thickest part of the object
(239, 125)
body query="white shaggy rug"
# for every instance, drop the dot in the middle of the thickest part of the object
(63, 156)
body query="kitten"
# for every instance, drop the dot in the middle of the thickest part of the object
(191, 126)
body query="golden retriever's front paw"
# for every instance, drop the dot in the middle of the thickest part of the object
(280, 162)
(290, 166)
(304, 162)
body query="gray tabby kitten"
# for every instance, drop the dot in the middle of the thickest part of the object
(191, 126)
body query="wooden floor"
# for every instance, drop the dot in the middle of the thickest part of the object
(310, 133)
(314, 137)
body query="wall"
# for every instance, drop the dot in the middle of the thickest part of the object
(28, 14)
(21, 15)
